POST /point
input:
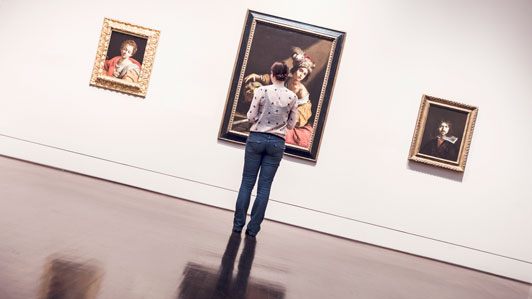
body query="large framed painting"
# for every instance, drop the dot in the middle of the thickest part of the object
(443, 133)
(124, 59)
(315, 51)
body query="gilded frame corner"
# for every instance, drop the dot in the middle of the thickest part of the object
(98, 76)
(427, 149)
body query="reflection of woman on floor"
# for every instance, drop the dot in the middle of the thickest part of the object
(443, 145)
(124, 67)
(302, 66)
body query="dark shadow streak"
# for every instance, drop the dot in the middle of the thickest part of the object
(65, 279)
(201, 282)
(223, 285)
(244, 268)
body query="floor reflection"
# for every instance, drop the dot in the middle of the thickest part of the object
(64, 279)
(201, 282)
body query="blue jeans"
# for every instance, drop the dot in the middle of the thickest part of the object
(263, 151)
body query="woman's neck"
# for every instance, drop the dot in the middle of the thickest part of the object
(275, 81)
(278, 83)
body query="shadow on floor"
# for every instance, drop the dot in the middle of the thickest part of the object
(201, 282)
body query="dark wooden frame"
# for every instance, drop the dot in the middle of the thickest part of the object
(330, 69)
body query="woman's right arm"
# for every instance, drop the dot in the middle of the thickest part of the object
(292, 116)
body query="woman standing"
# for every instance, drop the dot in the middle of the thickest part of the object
(273, 110)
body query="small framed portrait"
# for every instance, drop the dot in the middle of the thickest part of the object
(443, 133)
(312, 54)
(124, 58)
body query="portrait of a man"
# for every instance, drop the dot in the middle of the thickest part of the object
(443, 133)
(443, 145)
(439, 139)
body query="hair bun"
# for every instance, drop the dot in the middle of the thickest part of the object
(280, 70)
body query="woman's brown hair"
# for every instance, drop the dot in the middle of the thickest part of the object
(279, 70)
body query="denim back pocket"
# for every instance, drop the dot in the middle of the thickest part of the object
(253, 143)
(281, 146)
(253, 138)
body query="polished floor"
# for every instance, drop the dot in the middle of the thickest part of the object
(64, 235)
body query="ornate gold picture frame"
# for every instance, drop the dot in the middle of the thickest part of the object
(124, 59)
(266, 39)
(443, 133)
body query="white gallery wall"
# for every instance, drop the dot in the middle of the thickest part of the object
(362, 187)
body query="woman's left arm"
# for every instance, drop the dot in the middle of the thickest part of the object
(292, 116)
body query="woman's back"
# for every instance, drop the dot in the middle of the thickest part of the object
(273, 110)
